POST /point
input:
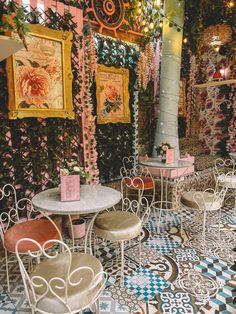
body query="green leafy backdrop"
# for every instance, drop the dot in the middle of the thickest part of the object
(32, 150)
(115, 140)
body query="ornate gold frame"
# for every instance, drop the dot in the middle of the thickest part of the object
(65, 38)
(182, 100)
(126, 97)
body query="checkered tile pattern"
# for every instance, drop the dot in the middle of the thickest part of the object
(168, 221)
(222, 303)
(145, 284)
(105, 252)
(215, 269)
(162, 244)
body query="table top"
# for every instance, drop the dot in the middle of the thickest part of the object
(93, 198)
(155, 162)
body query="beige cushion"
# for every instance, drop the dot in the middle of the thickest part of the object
(79, 296)
(117, 225)
(187, 199)
(229, 181)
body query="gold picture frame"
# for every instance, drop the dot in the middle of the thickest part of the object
(112, 92)
(40, 79)
(182, 99)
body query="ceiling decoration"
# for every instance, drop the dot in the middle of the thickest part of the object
(110, 14)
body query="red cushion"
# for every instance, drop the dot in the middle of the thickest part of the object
(136, 183)
(39, 230)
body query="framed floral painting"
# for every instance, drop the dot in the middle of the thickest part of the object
(40, 78)
(112, 95)
(182, 99)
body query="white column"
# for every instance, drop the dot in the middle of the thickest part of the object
(167, 123)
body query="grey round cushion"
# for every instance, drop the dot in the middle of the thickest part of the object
(206, 201)
(117, 225)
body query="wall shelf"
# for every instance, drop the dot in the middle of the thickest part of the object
(216, 83)
(8, 46)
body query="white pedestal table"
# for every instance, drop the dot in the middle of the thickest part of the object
(156, 163)
(93, 199)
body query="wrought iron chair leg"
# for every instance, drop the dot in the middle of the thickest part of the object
(7, 271)
(140, 251)
(122, 264)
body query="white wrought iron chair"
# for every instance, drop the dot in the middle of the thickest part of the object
(131, 169)
(61, 281)
(223, 166)
(18, 219)
(207, 201)
(121, 225)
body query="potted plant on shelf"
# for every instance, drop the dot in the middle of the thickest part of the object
(12, 22)
(166, 152)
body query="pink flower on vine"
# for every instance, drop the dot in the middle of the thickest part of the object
(165, 148)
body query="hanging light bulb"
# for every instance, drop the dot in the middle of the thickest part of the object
(145, 29)
(185, 40)
(151, 25)
(139, 4)
(143, 23)
(160, 24)
(139, 11)
(217, 48)
(231, 4)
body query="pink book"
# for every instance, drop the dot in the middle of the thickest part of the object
(70, 188)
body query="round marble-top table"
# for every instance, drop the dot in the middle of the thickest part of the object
(93, 198)
(163, 167)
(155, 162)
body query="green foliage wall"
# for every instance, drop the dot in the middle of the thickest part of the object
(32, 150)
(115, 141)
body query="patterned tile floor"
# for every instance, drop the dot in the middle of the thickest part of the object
(177, 274)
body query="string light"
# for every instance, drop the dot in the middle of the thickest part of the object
(143, 23)
(160, 24)
(151, 25)
(145, 29)
(231, 4)
(185, 40)
(217, 48)
(157, 3)
(139, 11)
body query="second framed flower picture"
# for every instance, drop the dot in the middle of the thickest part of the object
(40, 78)
(112, 86)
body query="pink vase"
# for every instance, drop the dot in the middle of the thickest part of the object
(78, 226)
(170, 156)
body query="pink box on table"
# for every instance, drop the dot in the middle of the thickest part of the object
(170, 156)
(70, 188)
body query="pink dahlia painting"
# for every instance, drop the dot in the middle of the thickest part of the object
(112, 95)
(42, 79)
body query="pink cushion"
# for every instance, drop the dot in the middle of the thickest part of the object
(39, 230)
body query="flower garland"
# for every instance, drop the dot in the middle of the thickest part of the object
(231, 144)
(135, 123)
(146, 66)
(191, 94)
(89, 128)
